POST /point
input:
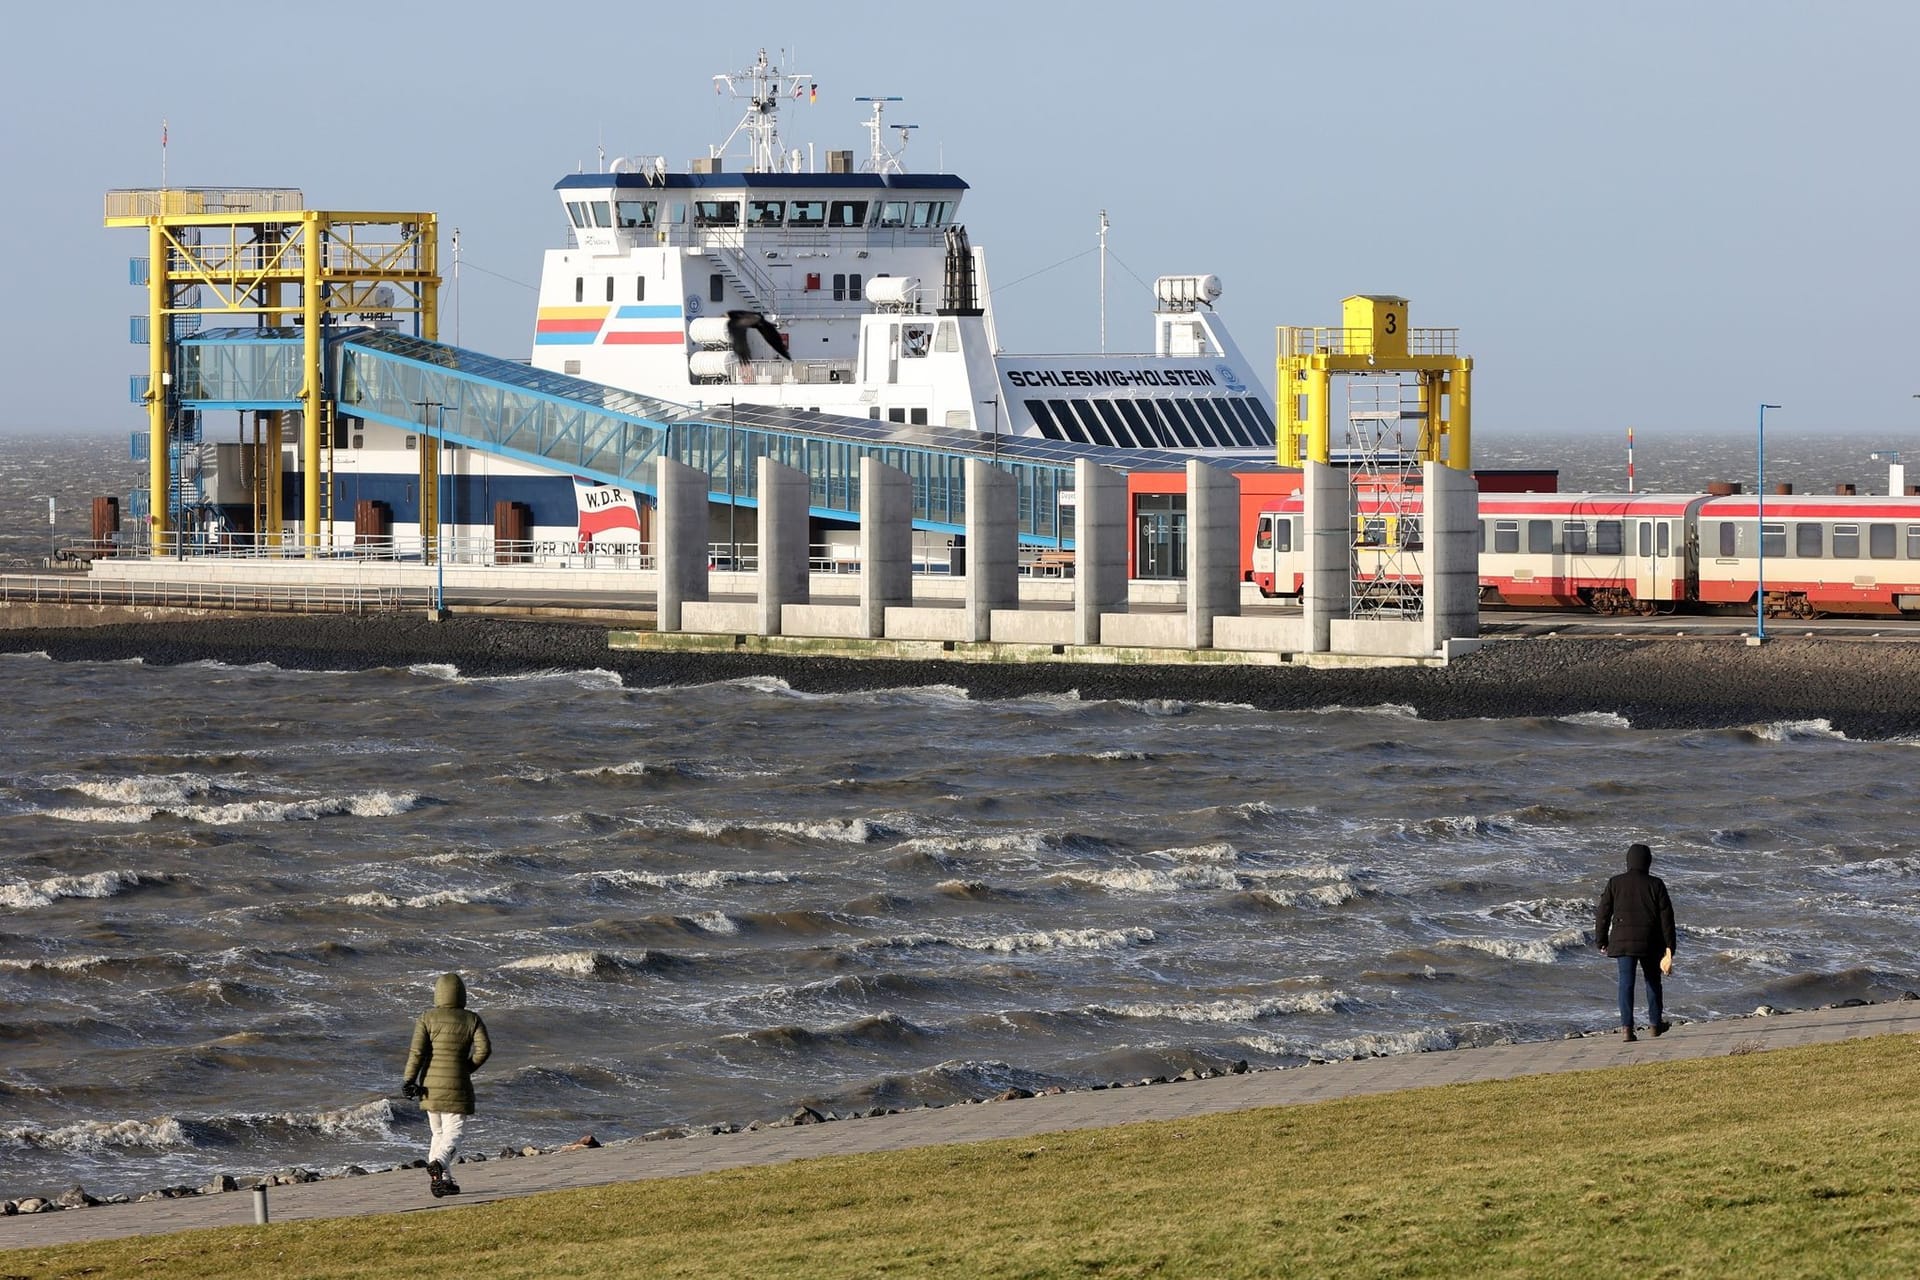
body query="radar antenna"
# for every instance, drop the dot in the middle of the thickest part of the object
(879, 159)
(761, 86)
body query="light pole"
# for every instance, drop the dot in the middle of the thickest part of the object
(1760, 529)
(995, 402)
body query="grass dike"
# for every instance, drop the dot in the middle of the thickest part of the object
(1793, 1162)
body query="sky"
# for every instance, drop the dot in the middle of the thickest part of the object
(1655, 215)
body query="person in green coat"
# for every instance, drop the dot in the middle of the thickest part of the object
(449, 1042)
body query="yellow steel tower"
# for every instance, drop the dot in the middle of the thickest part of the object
(1373, 338)
(249, 251)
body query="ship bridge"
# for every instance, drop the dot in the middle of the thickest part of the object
(449, 396)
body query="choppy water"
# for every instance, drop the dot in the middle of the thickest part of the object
(224, 894)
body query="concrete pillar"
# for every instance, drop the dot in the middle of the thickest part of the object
(993, 546)
(785, 557)
(1100, 547)
(886, 544)
(679, 540)
(1450, 526)
(1213, 550)
(1327, 592)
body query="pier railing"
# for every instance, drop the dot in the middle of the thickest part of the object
(294, 597)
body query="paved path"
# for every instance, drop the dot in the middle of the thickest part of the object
(406, 1190)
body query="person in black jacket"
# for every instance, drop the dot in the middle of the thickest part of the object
(1634, 925)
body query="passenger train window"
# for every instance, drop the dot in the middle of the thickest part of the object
(1913, 542)
(1485, 528)
(1539, 537)
(1506, 536)
(1283, 535)
(1846, 542)
(1646, 538)
(1573, 537)
(1880, 541)
(807, 213)
(1606, 538)
(1809, 539)
(1264, 539)
(1666, 538)
(1773, 540)
(1729, 539)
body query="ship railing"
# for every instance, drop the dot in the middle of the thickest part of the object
(184, 593)
(1306, 340)
(465, 551)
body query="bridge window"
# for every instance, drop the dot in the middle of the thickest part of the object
(1097, 432)
(766, 213)
(1244, 407)
(1070, 426)
(1607, 539)
(716, 213)
(1142, 423)
(1846, 542)
(1506, 537)
(917, 417)
(893, 213)
(1539, 537)
(1809, 540)
(1197, 432)
(1880, 541)
(807, 213)
(637, 213)
(577, 213)
(929, 213)
(1043, 418)
(1111, 420)
(847, 213)
(602, 214)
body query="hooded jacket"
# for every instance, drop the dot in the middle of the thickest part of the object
(449, 1042)
(1635, 916)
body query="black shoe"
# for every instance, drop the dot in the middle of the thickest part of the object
(448, 1187)
(1661, 1028)
(437, 1180)
(1626, 1033)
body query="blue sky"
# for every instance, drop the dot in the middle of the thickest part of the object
(1648, 214)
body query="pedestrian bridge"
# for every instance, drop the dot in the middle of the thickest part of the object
(612, 436)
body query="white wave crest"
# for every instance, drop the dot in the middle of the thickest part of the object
(1118, 754)
(1597, 720)
(572, 964)
(1391, 710)
(1058, 939)
(366, 1117)
(66, 964)
(715, 922)
(371, 804)
(27, 894)
(100, 1135)
(1758, 957)
(837, 830)
(435, 670)
(376, 900)
(170, 789)
(1231, 1010)
(965, 847)
(1797, 730)
(1387, 1044)
(684, 880)
(1148, 880)
(1326, 895)
(1527, 950)
(1219, 852)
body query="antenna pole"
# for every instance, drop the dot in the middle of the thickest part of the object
(1629, 459)
(1103, 282)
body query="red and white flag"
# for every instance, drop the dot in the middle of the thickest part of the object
(609, 515)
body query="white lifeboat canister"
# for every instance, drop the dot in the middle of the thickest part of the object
(711, 364)
(709, 331)
(893, 291)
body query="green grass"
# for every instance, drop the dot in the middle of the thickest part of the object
(1801, 1162)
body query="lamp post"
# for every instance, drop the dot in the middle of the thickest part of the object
(995, 402)
(1760, 529)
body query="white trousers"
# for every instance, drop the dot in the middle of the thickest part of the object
(446, 1127)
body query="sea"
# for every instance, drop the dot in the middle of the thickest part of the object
(225, 892)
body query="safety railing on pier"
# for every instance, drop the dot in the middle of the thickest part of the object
(1307, 340)
(315, 597)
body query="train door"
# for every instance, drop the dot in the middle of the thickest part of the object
(1160, 547)
(1653, 561)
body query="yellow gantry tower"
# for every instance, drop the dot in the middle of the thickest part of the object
(258, 252)
(1373, 338)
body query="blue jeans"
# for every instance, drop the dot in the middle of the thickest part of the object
(1649, 965)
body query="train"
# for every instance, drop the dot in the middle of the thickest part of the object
(1639, 553)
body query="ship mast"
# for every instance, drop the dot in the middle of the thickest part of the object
(762, 86)
(879, 159)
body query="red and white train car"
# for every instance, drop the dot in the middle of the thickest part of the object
(1643, 553)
